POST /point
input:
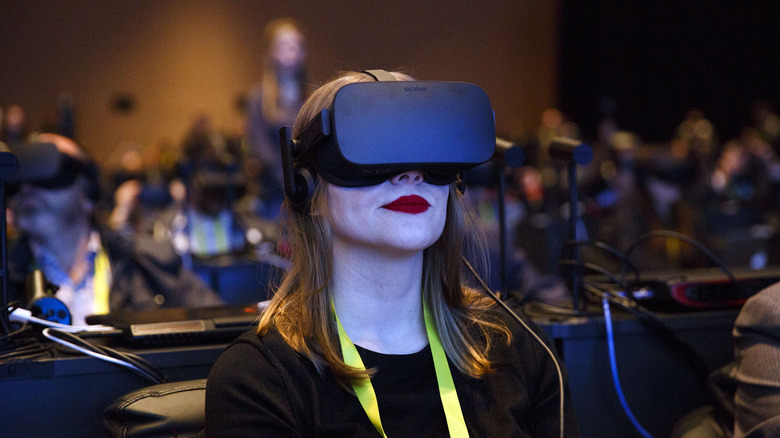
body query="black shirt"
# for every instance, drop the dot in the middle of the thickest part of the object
(260, 387)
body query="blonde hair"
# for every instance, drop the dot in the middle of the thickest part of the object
(301, 310)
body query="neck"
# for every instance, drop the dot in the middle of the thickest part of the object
(68, 247)
(378, 298)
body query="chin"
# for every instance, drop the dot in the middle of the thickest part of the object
(411, 245)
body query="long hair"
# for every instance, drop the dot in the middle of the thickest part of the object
(301, 307)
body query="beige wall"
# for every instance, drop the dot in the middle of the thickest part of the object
(177, 58)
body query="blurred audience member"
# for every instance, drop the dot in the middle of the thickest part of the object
(142, 186)
(740, 188)
(14, 127)
(207, 223)
(95, 270)
(273, 103)
(520, 280)
(700, 133)
(756, 334)
(767, 122)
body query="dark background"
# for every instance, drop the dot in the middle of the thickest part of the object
(651, 61)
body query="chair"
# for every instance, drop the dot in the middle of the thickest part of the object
(699, 423)
(714, 420)
(167, 410)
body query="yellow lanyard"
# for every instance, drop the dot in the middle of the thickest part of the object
(219, 229)
(367, 396)
(100, 282)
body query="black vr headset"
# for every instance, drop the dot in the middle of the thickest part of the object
(42, 165)
(376, 130)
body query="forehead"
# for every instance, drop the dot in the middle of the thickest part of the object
(288, 34)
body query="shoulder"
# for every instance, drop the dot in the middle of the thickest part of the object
(260, 382)
(530, 349)
(253, 355)
(761, 310)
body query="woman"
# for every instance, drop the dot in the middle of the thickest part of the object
(350, 307)
(274, 102)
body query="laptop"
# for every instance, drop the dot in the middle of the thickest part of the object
(172, 327)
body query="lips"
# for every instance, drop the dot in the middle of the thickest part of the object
(412, 204)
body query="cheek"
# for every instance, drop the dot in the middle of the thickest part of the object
(343, 208)
(441, 213)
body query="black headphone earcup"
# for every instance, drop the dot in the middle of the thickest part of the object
(305, 183)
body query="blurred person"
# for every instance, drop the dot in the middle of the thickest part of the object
(142, 186)
(767, 122)
(93, 269)
(700, 133)
(533, 242)
(207, 223)
(273, 103)
(642, 193)
(14, 127)
(373, 328)
(740, 188)
(742, 202)
(757, 354)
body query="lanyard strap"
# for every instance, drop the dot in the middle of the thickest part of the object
(100, 282)
(365, 393)
(449, 396)
(211, 239)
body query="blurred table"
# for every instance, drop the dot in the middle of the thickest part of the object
(659, 382)
(65, 396)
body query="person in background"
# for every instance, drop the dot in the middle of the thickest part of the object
(93, 270)
(375, 290)
(207, 224)
(273, 103)
(142, 185)
(14, 127)
(757, 373)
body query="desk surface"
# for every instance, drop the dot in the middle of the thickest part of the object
(65, 397)
(659, 380)
(51, 396)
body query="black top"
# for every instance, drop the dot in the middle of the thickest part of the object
(260, 387)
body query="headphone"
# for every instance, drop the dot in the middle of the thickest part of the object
(299, 181)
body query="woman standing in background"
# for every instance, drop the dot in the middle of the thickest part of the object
(274, 102)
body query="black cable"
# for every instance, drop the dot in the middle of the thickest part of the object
(594, 268)
(533, 334)
(647, 317)
(675, 235)
(621, 256)
(130, 361)
(539, 308)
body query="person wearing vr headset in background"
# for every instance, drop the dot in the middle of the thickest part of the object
(207, 223)
(90, 269)
(377, 285)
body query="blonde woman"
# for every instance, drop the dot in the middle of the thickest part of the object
(375, 290)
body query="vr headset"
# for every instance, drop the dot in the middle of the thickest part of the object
(42, 165)
(376, 130)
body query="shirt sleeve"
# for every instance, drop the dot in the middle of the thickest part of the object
(757, 340)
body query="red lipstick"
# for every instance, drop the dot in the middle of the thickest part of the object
(409, 204)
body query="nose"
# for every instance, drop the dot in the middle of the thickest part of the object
(412, 177)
